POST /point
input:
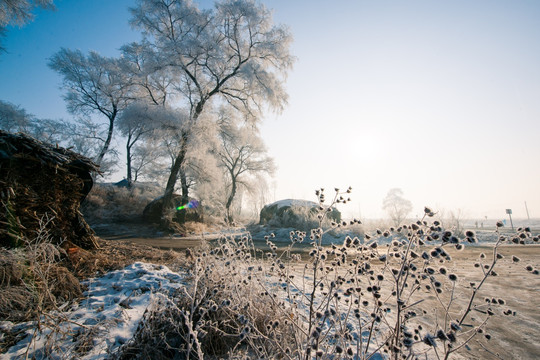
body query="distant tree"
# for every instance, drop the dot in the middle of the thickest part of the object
(94, 84)
(147, 161)
(259, 194)
(242, 154)
(232, 54)
(396, 206)
(18, 12)
(454, 221)
(13, 118)
(50, 131)
(86, 138)
(137, 123)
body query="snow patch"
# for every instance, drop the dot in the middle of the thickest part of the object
(103, 321)
(292, 202)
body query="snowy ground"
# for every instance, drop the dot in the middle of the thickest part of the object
(114, 304)
(107, 317)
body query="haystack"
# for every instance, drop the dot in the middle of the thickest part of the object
(41, 188)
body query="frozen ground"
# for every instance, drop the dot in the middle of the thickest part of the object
(114, 304)
(104, 320)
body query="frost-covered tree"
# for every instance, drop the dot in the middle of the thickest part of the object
(200, 174)
(242, 154)
(150, 82)
(396, 206)
(155, 89)
(137, 123)
(232, 54)
(51, 131)
(86, 138)
(13, 118)
(93, 84)
(18, 12)
(259, 195)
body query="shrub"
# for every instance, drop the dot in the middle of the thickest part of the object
(110, 203)
(39, 282)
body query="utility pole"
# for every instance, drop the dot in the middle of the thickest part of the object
(509, 212)
(527, 210)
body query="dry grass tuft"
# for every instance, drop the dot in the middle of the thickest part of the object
(63, 285)
(11, 271)
(32, 281)
(115, 255)
(15, 303)
(218, 315)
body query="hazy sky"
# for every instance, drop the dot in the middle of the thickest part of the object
(438, 98)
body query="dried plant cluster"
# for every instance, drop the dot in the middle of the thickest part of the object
(40, 280)
(393, 294)
(32, 280)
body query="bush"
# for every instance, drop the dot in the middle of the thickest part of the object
(39, 283)
(110, 203)
(217, 314)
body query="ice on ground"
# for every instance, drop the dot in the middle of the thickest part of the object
(100, 323)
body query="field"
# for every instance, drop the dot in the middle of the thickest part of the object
(118, 314)
(511, 337)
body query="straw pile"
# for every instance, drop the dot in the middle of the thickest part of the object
(42, 185)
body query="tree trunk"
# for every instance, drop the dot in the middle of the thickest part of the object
(128, 160)
(173, 177)
(230, 199)
(105, 147)
(185, 195)
(179, 162)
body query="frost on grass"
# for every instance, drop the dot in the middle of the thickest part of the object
(105, 319)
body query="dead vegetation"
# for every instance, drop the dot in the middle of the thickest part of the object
(114, 255)
(41, 276)
(110, 203)
(39, 180)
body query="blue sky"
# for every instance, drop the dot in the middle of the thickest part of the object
(438, 98)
